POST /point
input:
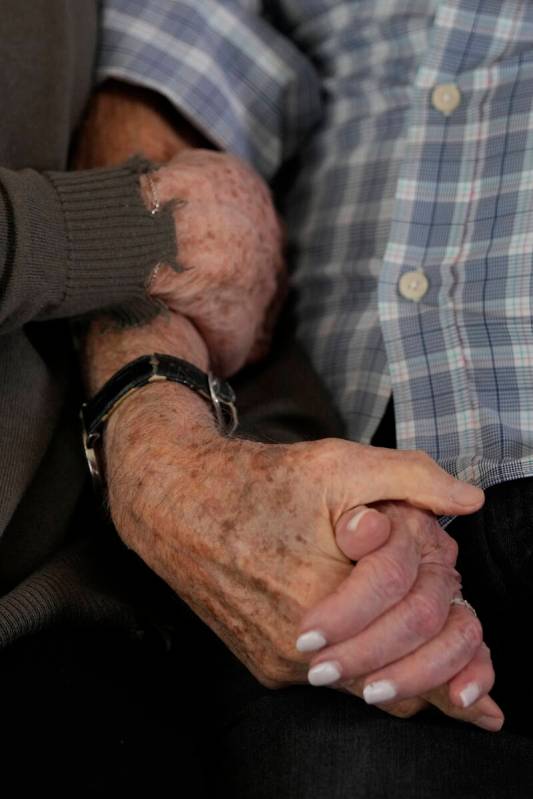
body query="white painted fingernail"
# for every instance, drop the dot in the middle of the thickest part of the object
(311, 641)
(354, 522)
(380, 691)
(324, 673)
(470, 693)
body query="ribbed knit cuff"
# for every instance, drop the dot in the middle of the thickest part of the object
(113, 242)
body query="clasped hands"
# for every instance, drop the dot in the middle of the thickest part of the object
(261, 539)
(245, 533)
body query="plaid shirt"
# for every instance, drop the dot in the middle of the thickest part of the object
(400, 133)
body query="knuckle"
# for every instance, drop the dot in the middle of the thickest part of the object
(426, 616)
(449, 548)
(322, 455)
(287, 653)
(422, 458)
(471, 634)
(275, 673)
(387, 578)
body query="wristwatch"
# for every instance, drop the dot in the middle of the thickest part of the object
(150, 369)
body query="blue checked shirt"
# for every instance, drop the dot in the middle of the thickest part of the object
(400, 133)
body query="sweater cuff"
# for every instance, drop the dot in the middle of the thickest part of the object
(113, 241)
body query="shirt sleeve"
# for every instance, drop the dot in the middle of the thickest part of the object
(73, 243)
(224, 67)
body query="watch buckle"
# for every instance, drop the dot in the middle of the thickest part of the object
(225, 411)
(90, 454)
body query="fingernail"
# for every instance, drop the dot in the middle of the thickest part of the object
(466, 494)
(311, 641)
(470, 693)
(324, 673)
(379, 692)
(353, 524)
(490, 723)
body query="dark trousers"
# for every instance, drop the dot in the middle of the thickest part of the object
(98, 713)
(167, 710)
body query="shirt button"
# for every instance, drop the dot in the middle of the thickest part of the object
(413, 285)
(446, 97)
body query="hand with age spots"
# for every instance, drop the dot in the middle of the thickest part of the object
(231, 278)
(243, 531)
(388, 632)
(230, 525)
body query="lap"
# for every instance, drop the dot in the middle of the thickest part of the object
(496, 564)
(97, 711)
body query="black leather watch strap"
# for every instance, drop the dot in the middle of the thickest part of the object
(150, 369)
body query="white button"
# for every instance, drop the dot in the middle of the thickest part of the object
(446, 97)
(413, 285)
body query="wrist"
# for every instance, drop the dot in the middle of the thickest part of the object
(109, 348)
(155, 416)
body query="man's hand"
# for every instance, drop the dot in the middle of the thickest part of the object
(244, 531)
(123, 121)
(388, 632)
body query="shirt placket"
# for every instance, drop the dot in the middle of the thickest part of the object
(427, 357)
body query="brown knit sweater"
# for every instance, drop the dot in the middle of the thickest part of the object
(70, 244)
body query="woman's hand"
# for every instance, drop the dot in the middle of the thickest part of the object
(231, 276)
(389, 633)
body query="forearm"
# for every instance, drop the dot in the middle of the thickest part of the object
(124, 120)
(134, 428)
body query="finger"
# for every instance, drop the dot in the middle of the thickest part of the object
(361, 530)
(402, 710)
(403, 629)
(377, 582)
(484, 713)
(433, 664)
(474, 681)
(412, 476)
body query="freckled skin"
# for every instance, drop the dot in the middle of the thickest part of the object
(229, 253)
(252, 576)
(228, 540)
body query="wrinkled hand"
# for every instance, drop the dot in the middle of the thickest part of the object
(229, 252)
(229, 238)
(244, 531)
(388, 632)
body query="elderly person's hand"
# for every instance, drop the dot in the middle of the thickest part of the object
(231, 270)
(389, 633)
(230, 279)
(243, 531)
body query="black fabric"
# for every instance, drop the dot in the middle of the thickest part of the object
(134, 693)
(385, 435)
(168, 708)
(496, 562)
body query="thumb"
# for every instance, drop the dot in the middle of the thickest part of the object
(360, 531)
(366, 474)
